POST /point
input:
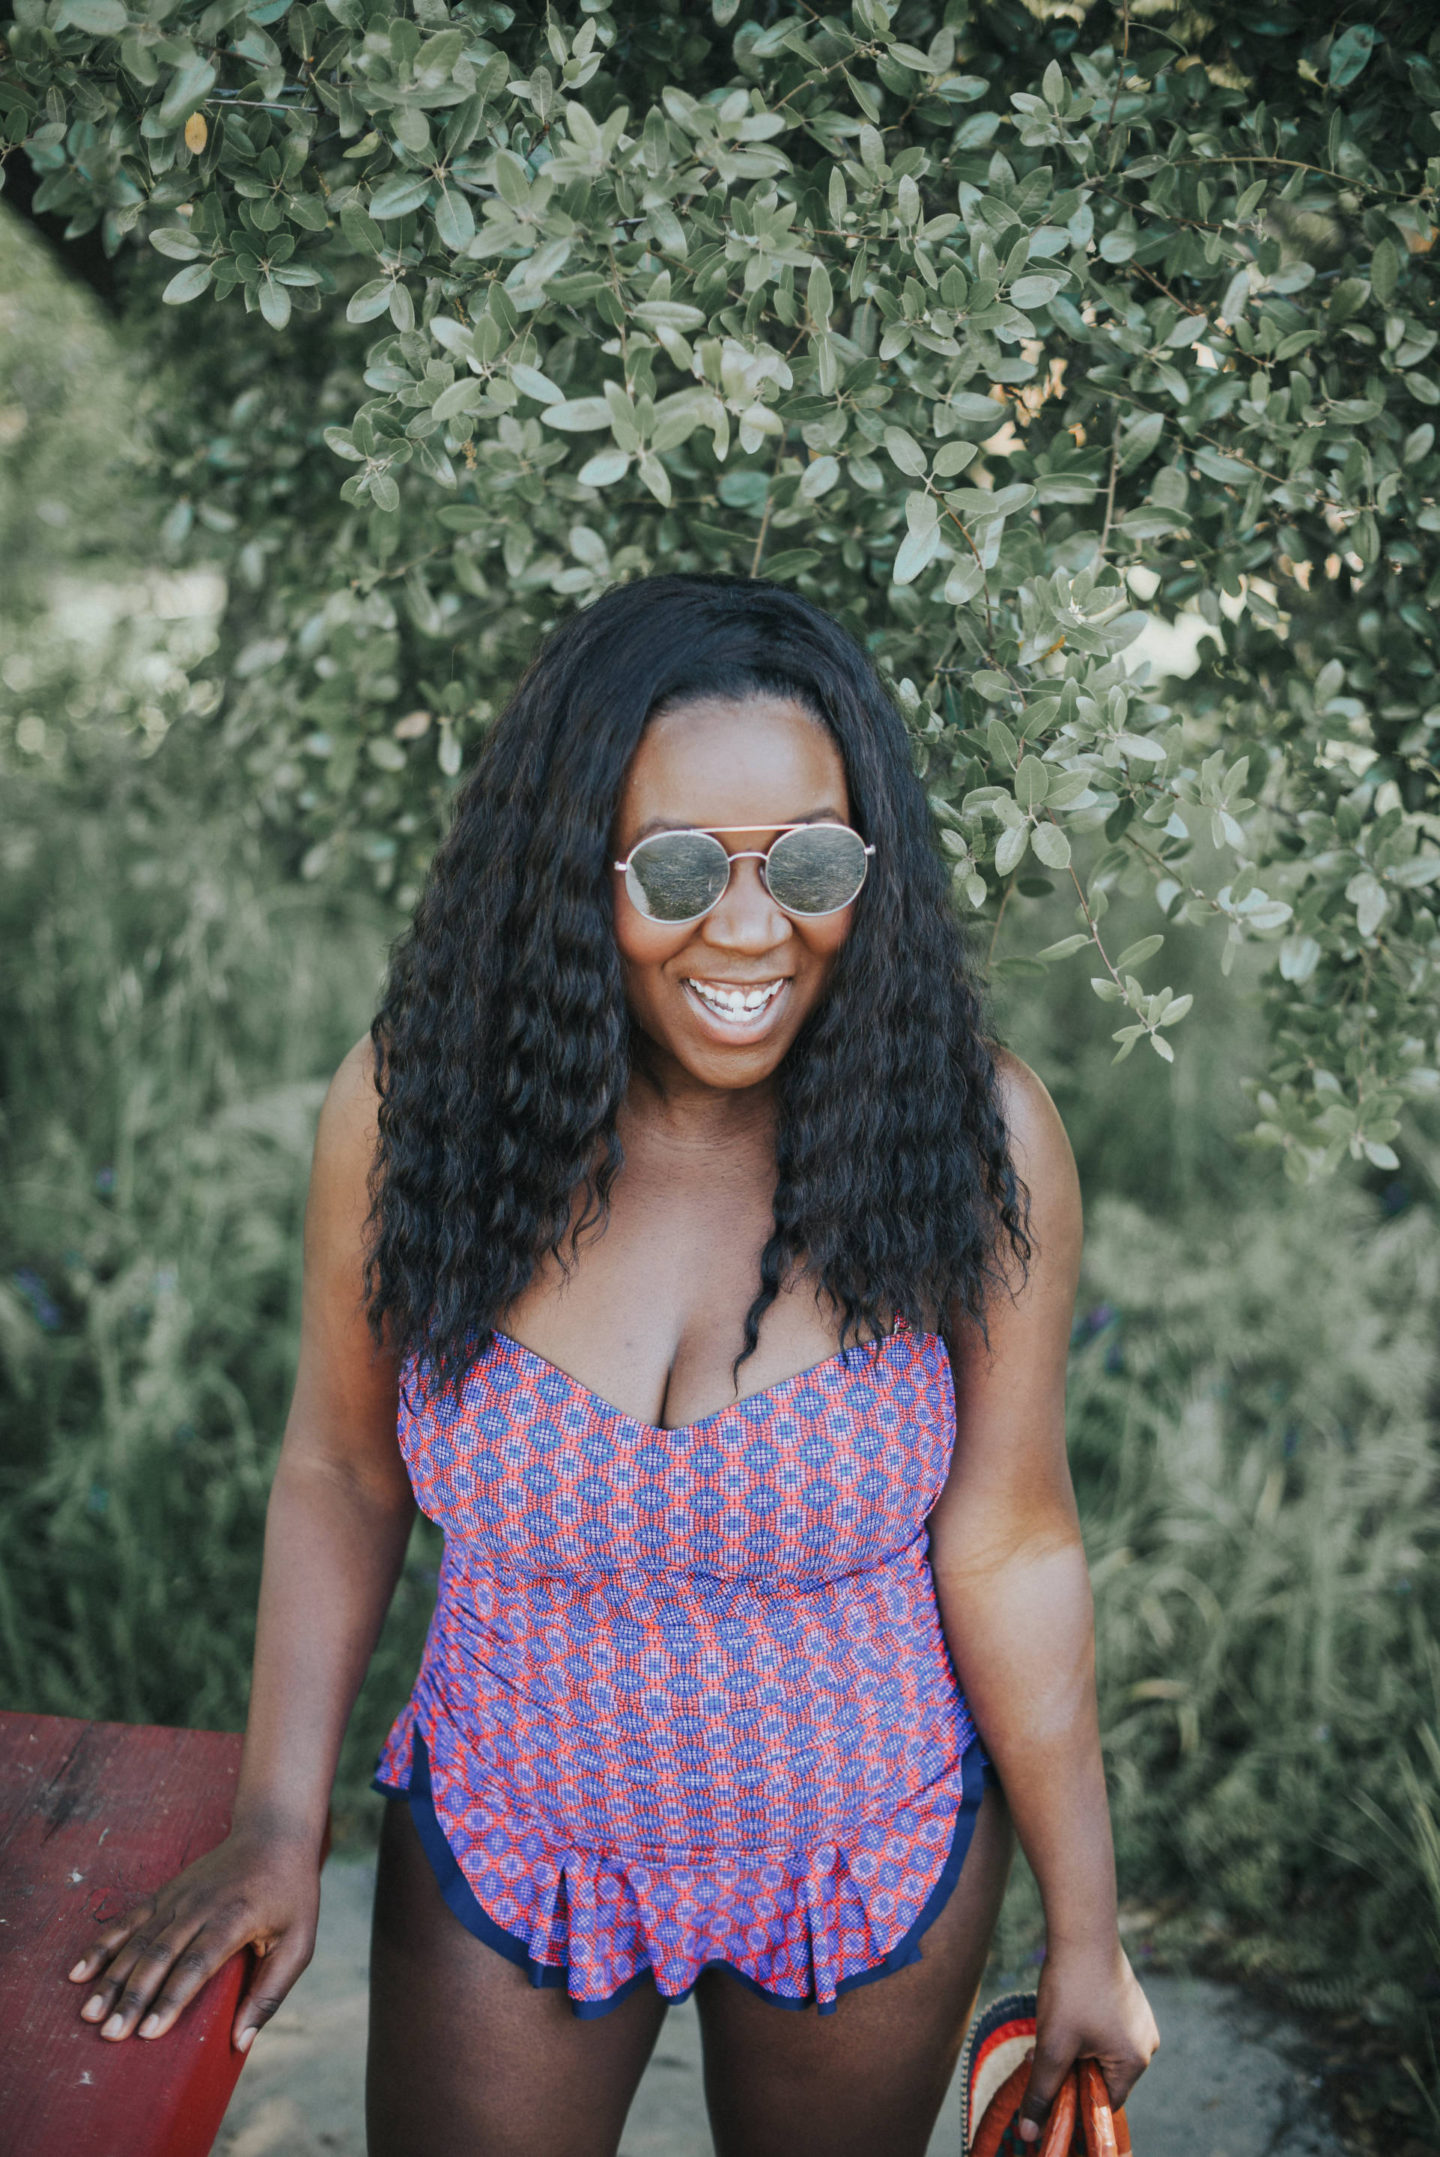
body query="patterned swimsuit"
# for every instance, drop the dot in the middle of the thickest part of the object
(685, 1699)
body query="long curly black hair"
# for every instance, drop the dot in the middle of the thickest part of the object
(503, 1044)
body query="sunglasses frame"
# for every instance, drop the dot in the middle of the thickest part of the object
(716, 832)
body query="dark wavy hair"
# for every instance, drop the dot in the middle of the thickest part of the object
(503, 1045)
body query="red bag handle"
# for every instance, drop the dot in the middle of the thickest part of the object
(1106, 2133)
(1081, 2122)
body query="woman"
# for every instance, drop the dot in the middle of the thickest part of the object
(720, 1277)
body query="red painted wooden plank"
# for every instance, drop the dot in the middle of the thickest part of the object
(91, 1816)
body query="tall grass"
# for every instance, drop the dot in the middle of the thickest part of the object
(169, 1010)
(1253, 1432)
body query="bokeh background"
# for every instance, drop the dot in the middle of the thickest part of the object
(1256, 1367)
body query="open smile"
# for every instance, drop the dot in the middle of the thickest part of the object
(736, 1004)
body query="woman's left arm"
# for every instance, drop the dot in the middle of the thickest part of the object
(1014, 1596)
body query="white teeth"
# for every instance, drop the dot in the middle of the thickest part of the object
(735, 1004)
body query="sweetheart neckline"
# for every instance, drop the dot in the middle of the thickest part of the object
(681, 1430)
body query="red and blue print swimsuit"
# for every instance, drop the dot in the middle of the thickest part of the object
(685, 1699)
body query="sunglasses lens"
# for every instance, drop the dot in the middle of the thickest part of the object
(677, 875)
(817, 870)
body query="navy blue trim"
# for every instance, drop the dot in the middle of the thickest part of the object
(976, 1774)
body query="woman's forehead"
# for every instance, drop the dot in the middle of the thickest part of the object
(759, 760)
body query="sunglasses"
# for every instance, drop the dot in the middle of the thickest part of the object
(810, 870)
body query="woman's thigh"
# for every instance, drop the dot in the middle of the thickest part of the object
(467, 2058)
(871, 2076)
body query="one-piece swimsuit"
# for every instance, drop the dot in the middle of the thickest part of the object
(685, 1700)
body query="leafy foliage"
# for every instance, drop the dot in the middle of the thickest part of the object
(975, 324)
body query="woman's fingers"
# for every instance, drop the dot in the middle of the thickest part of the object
(209, 1951)
(124, 1991)
(111, 1938)
(1049, 2067)
(274, 1974)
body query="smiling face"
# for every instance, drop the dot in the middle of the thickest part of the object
(721, 999)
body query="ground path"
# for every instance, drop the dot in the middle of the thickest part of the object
(1218, 2090)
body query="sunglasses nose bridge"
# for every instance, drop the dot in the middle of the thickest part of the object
(735, 919)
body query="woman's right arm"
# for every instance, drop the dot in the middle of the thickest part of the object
(339, 1519)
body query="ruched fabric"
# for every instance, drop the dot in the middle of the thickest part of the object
(685, 1699)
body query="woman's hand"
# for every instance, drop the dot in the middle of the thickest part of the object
(250, 1892)
(1091, 2006)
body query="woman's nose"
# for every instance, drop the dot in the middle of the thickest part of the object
(747, 918)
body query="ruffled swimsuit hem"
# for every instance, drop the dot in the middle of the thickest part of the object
(461, 1899)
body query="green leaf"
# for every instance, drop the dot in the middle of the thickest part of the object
(531, 383)
(668, 315)
(1066, 948)
(1140, 745)
(461, 396)
(974, 411)
(791, 562)
(1032, 782)
(177, 242)
(1136, 954)
(917, 550)
(964, 581)
(1385, 271)
(952, 457)
(1350, 54)
(818, 478)
(905, 452)
(274, 303)
(1036, 291)
(1217, 466)
(399, 195)
(188, 284)
(578, 415)
(190, 85)
(655, 477)
(369, 300)
(454, 219)
(102, 18)
(1010, 849)
(603, 469)
(1051, 846)
(1139, 439)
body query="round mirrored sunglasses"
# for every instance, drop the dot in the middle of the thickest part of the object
(809, 871)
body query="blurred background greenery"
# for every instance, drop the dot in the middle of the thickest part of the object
(1256, 1379)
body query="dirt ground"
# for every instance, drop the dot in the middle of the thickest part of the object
(1223, 2085)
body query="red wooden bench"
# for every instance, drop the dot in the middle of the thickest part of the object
(91, 1816)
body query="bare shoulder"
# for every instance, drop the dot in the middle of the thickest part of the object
(345, 1139)
(1040, 1150)
(349, 1116)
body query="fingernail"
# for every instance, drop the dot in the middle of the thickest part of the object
(149, 2026)
(246, 2038)
(94, 2006)
(114, 2026)
(79, 1970)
